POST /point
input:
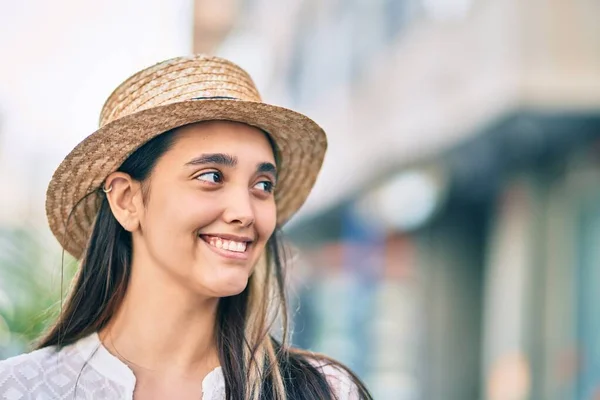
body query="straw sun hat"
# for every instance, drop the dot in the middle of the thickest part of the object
(167, 95)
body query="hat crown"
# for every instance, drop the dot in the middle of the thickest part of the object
(179, 79)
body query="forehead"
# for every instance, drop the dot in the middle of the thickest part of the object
(247, 143)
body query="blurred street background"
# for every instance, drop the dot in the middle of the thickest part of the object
(451, 247)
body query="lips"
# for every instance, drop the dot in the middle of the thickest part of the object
(227, 245)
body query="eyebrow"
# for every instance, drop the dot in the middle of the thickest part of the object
(268, 168)
(230, 161)
(216, 158)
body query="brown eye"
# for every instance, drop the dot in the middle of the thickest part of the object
(212, 177)
(265, 186)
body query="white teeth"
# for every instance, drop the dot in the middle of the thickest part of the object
(231, 245)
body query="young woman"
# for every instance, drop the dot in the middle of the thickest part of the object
(173, 208)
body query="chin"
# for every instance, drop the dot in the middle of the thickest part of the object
(229, 287)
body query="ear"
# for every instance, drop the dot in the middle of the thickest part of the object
(124, 196)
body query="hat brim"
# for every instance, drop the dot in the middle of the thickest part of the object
(73, 197)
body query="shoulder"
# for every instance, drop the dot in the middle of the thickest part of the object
(27, 360)
(43, 369)
(25, 370)
(74, 371)
(339, 377)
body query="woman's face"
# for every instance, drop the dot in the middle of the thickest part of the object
(210, 208)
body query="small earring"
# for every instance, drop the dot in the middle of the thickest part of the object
(105, 190)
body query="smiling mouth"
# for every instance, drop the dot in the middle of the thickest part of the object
(228, 245)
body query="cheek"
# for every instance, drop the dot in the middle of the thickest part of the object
(266, 220)
(179, 215)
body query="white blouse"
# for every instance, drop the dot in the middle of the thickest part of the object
(46, 374)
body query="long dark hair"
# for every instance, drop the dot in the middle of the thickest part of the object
(255, 365)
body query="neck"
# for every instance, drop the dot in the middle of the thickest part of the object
(160, 327)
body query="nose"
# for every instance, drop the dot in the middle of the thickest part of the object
(238, 209)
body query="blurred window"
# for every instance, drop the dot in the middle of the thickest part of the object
(334, 44)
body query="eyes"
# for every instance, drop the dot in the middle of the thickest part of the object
(213, 177)
(216, 178)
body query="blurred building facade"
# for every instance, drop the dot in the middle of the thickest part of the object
(451, 239)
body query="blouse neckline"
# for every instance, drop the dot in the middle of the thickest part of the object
(103, 361)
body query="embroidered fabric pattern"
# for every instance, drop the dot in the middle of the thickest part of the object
(86, 371)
